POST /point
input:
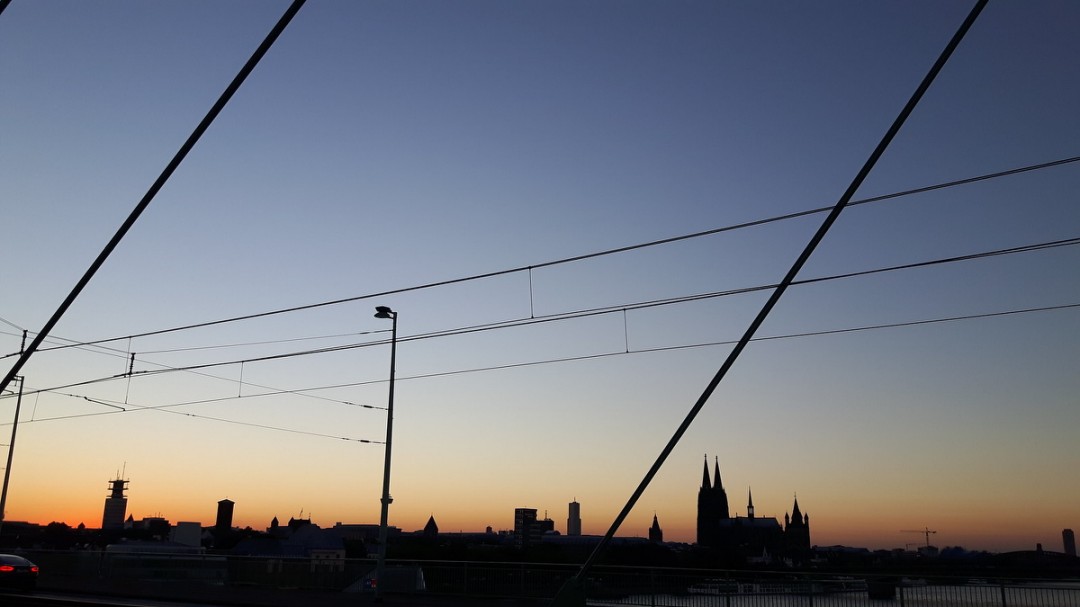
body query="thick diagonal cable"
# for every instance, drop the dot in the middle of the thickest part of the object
(573, 587)
(155, 187)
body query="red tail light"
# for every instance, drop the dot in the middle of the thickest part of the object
(34, 569)
(6, 568)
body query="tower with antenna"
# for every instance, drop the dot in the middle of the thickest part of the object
(115, 504)
(573, 520)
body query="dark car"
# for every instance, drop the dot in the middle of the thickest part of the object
(17, 572)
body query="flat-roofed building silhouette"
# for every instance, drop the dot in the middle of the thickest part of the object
(526, 529)
(573, 521)
(224, 515)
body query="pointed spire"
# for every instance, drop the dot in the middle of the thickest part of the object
(749, 503)
(795, 513)
(705, 476)
(716, 474)
(656, 534)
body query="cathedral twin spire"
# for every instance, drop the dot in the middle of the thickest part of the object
(705, 484)
(716, 528)
(715, 484)
(712, 499)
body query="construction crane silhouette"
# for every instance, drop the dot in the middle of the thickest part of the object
(925, 531)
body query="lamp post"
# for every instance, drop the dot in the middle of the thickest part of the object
(11, 451)
(385, 312)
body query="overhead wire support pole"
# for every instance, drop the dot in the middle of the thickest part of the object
(11, 453)
(573, 592)
(156, 186)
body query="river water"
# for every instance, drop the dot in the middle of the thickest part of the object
(1056, 595)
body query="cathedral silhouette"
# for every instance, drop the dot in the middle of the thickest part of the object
(749, 536)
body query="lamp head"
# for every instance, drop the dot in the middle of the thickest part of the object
(384, 312)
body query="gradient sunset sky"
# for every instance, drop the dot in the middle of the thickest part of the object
(384, 146)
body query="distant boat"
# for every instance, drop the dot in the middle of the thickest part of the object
(715, 586)
(799, 587)
(844, 584)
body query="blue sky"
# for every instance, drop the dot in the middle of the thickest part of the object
(382, 146)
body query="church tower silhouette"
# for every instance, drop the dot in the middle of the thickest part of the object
(712, 505)
(750, 536)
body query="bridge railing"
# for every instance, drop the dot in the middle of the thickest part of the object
(196, 574)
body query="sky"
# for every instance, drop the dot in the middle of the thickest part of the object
(386, 147)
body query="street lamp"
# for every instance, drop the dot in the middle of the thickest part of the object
(11, 451)
(385, 312)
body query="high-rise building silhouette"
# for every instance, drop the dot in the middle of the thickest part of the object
(224, 515)
(1069, 540)
(573, 521)
(115, 505)
(526, 529)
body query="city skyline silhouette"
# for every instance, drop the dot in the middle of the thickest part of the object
(576, 210)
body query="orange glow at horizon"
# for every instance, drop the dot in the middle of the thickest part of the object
(995, 531)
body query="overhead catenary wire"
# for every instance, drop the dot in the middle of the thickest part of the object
(155, 187)
(72, 343)
(578, 314)
(221, 399)
(262, 343)
(10, 324)
(108, 351)
(132, 408)
(736, 291)
(582, 257)
(567, 359)
(823, 332)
